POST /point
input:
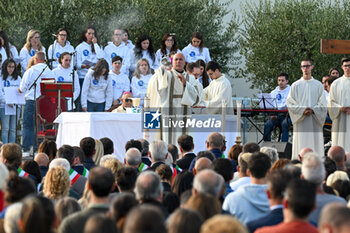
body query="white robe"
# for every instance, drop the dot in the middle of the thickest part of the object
(218, 90)
(307, 130)
(173, 99)
(339, 96)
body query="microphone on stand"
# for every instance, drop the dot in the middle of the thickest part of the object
(73, 53)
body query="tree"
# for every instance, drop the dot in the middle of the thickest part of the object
(153, 17)
(279, 34)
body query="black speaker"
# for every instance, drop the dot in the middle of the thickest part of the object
(284, 149)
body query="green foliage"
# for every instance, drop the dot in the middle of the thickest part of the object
(153, 17)
(279, 34)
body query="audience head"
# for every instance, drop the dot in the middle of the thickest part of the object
(184, 221)
(11, 155)
(206, 204)
(330, 166)
(87, 144)
(37, 215)
(215, 141)
(280, 164)
(133, 144)
(271, 152)
(335, 218)
(65, 207)
(145, 147)
(100, 223)
(300, 198)
(223, 224)
(185, 143)
(100, 181)
(234, 152)
(251, 147)
(145, 218)
(132, 158)
(337, 175)
(172, 149)
(98, 151)
(158, 150)
(303, 152)
(4, 174)
(42, 159)
(258, 165)
(56, 183)
(337, 153)
(312, 168)
(48, 147)
(342, 187)
(201, 164)
(183, 181)
(79, 156)
(242, 167)
(225, 168)
(277, 183)
(165, 173)
(126, 179)
(121, 206)
(66, 152)
(208, 181)
(18, 188)
(112, 163)
(108, 146)
(148, 187)
(60, 162)
(12, 216)
(206, 154)
(32, 168)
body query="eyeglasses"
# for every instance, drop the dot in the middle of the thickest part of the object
(36, 37)
(128, 100)
(118, 34)
(63, 35)
(346, 66)
(196, 41)
(169, 40)
(305, 66)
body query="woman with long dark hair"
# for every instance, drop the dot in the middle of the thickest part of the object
(97, 91)
(203, 78)
(143, 49)
(9, 78)
(196, 50)
(59, 46)
(7, 50)
(168, 46)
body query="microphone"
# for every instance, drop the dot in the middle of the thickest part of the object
(54, 35)
(73, 53)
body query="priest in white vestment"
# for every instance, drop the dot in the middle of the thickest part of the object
(307, 107)
(218, 90)
(339, 108)
(175, 92)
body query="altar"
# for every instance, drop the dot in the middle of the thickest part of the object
(121, 127)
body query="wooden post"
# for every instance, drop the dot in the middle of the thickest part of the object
(335, 46)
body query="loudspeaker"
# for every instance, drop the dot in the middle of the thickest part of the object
(284, 149)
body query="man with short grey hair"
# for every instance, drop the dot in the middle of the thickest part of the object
(208, 181)
(148, 187)
(132, 158)
(215, 142)
(313, 170)
(159, 151)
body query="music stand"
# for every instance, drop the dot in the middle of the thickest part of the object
(266, 101)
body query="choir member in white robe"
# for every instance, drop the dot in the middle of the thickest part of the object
(219, 90)
(307, 107)
(339, 108)
(177, 93)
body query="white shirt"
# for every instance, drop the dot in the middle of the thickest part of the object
(111, 50)
(9, 82)
(193, 54)
(85, 54)
(25, 56)
(120, 83)
(66, 75)
(13, 55)
(29, 77)
(130, 45)
(281, 96)
(139, 86)
(55, 50)
(96, 91)
(145, 55)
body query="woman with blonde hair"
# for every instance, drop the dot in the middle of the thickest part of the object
(30, 48)
(141, 78)
(99, 152)
(56, 183)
